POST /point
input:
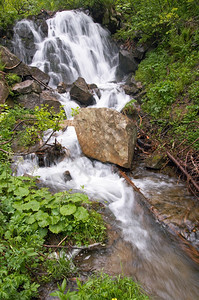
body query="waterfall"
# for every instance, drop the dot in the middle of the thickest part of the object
(76, 46)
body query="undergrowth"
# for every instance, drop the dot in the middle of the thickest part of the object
(27, 216)
(170, 75)
(103, 287)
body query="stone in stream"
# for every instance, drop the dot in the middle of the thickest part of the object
(80, 92)
(106, 135)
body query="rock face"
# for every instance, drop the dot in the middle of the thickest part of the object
(127, 62)
(80, 92)
(51, 99)
(31, 96)
(14, 65)
(4, 90)
(106, 135)
(26, 87)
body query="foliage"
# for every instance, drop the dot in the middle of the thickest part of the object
(34, 124)
(103, 287)
(74, 111)
(27, 216)
(170, 75)
(12, 78)
(153, 19)
(12, 10)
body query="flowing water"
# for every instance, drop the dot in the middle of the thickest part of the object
(76, 46)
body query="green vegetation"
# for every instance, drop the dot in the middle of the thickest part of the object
(103, 287)
(31, 217)
(27, 216)
(32, 125)
(169, 72)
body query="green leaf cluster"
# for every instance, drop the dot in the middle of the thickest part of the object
(27, 217)
(103, 287)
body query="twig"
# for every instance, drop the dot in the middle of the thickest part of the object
(195, 166)
(4, 151)
(13, 67)
(46, 141)
(188, 146)
(189, 177)
(42, 83)
(54, 246)
(62, 241)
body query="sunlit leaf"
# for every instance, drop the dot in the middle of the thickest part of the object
(59, 227)
(67, 210)
(81, 214)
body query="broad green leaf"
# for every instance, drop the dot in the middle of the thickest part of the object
(67, 210)
(57, 228)
(40, 215)
(54, 219)
(81, 214)
(33, 205)
(21, 191)
(43, 232)
(55, 212)
(31, 219)
(78, 197)
(43, 223)
(18, 206)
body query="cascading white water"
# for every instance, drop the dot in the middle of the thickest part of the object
(76, 46)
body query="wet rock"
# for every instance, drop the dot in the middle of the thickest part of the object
(139, 51)
(61, 88)
(4, 90)
(24, 32)
(29, 100)
(67, 176)
(49, 155)
(39, 75)
(106, 135)
(12, 63)
(127, 62)
(80, 92)
(27, 86)
(130, 90)
(51, 99)
(94, 88)
(155, 161)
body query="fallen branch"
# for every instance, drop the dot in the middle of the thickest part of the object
(4, 151)
(13, 67)
(42, 83)
(75, 247)
(188, 146)
(189, 177)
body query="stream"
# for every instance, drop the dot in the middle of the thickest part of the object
(76, 46)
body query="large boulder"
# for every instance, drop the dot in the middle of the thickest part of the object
(28, 100)
(39, 75)
(127, 62)
(106, 135)
(51, 99)
(80, 92)
(27, 87)
(4, 90)
(12, 63)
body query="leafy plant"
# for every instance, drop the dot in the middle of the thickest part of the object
(12, 78)
(102, 287)
(27, 216)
